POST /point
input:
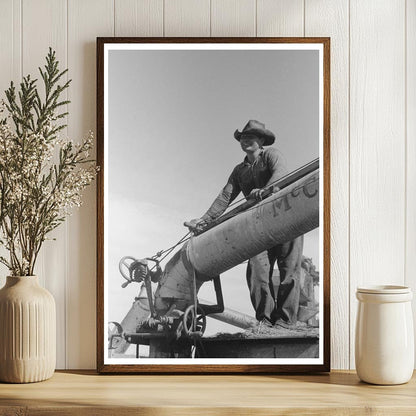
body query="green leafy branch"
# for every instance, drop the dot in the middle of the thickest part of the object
(37, 194)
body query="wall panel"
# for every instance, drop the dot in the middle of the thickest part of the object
(44, 25)
(377, 152)
(138, 17)
(330, 18)
(187, 18)
(10, 43)
(233, 18)
(87, 20)
(10, 65)
(373, 132)
(280, 17)
(411, 148)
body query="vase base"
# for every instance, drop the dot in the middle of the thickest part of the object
(26, 371)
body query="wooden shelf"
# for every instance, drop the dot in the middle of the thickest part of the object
(86, 393)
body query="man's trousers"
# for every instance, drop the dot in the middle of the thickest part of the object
(285, 304)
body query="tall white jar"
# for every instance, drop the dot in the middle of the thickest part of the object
(384, 338)
(27, 331)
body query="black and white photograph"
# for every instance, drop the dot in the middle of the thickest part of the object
(211, 238)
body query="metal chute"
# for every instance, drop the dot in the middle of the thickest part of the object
(283, 216)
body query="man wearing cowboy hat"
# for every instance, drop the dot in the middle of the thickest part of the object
(260, 169)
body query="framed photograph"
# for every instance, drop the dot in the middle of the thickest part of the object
(213, 205)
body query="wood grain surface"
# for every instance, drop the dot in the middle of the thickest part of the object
(280, 18)
(36, 40)
(331, 18)
(187, 18)
(233, 18)
(138, 17)
(339, 393)
(377, 148)
(410, 261)
(85, 18)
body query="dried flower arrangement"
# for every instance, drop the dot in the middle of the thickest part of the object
(42, 176)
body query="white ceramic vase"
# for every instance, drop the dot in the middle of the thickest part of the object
(384, 341)
(27, 331)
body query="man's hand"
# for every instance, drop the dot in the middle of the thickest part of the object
(157, 274)
(196, 224)
(256, 194)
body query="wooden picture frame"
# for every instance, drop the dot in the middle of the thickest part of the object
(158, 108)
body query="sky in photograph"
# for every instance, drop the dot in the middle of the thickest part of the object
(172, 116)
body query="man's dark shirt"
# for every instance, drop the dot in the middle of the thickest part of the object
(246, 176)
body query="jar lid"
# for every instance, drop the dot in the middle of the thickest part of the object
(384, 289)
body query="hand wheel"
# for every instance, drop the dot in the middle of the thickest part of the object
(190, 324)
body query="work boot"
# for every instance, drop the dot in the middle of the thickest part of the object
(263, 324)
(287, 325)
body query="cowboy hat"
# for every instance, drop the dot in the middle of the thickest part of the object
(255, 128)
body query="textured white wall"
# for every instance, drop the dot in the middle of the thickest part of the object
(373, 131)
